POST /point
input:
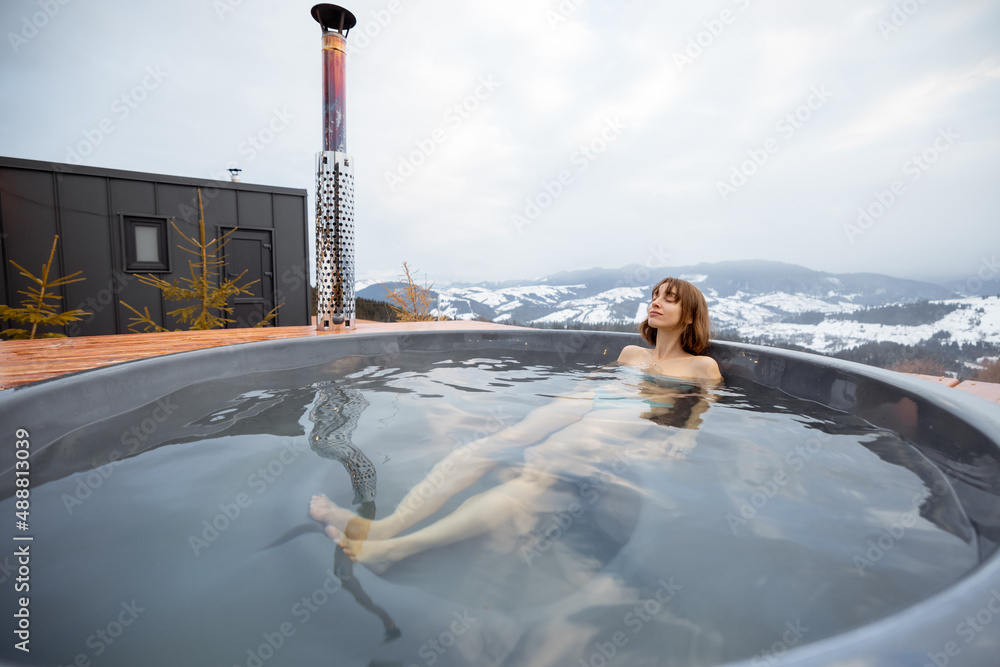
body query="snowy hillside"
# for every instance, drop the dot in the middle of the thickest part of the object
(761, 300)
(975, 319)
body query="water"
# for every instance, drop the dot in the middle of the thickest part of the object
(677, 524)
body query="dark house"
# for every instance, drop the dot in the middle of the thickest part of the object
(115, 225)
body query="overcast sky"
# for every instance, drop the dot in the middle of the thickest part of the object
(586, 132)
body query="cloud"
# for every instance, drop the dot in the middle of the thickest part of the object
(563, 76)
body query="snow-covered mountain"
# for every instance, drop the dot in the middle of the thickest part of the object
(757, 299)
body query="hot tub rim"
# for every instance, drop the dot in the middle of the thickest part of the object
(881, 640)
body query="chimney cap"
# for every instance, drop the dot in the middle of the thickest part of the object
(333, 17)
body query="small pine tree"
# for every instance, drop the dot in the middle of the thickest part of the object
(410, 302)
(36, 309)
(200, 287)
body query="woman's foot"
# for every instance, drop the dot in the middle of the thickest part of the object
(375, 555)
(346, 522)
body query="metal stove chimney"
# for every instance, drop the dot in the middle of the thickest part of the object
(334, 180)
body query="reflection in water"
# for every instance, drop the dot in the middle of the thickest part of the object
(563, 498)
(335, 414)
(940, 504)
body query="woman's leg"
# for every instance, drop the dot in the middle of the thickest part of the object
(479, 514)
(454, 473)
(450, 476)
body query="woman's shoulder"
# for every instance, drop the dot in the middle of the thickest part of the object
(705, 367)
(633, 354)
(694, 366)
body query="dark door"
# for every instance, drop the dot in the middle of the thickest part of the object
(250, 250)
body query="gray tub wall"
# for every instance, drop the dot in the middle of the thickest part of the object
(959, 432)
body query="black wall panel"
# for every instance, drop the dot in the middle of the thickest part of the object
(291, 262)
(220, 211)
(84, 205)
(255, 210)
(83, 202)
(130, 196)
(29, 214)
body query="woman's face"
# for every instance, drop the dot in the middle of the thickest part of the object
(665, 310)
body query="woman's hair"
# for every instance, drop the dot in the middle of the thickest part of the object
(694, 337)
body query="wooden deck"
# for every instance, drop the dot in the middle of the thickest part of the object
(24, 361)
(987, 390)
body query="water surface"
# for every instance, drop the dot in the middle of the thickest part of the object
(680, 524)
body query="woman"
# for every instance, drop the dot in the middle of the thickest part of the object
(572, 434)
(677, 327)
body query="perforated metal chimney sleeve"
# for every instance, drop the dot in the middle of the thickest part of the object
(334, 180)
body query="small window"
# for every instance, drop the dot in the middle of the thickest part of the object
(146, 248)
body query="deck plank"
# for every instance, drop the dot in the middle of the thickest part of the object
(24, 361)
(987, 390)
